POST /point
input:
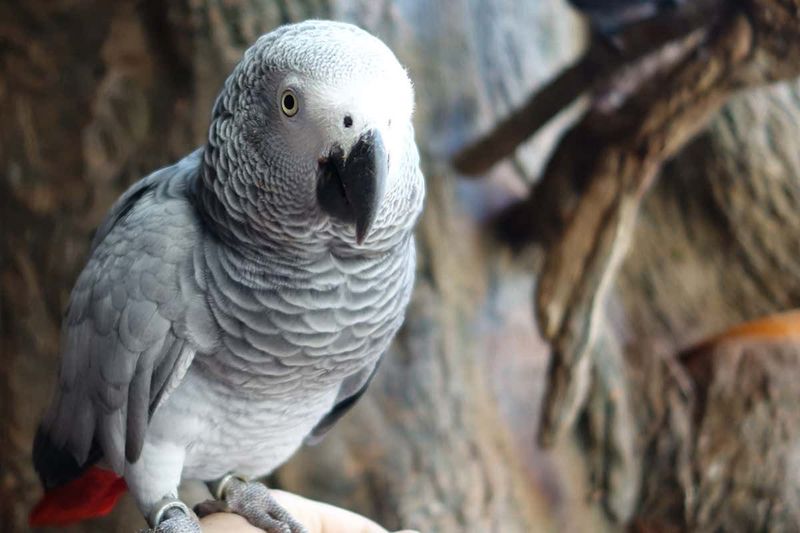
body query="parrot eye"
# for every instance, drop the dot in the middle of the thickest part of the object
(289, 103)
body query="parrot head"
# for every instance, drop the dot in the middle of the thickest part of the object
(312, 138)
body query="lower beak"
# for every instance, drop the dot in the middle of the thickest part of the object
(350, 188)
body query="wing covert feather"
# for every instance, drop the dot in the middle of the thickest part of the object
(351, 390)
(135, 320)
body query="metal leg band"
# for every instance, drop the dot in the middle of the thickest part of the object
(219, 487)
(164, 505)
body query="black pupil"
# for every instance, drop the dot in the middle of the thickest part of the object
(348, 121)
(288, 102)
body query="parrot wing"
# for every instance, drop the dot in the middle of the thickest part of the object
(135, 320)
(350, 391)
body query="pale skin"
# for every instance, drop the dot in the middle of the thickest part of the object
(316, 516)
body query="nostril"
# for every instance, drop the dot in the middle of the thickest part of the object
(348, 121)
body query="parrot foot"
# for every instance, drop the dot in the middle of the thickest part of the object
(173, 516)
(251, 500)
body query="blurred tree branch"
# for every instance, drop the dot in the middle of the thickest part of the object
(584, 207)
(601, 62)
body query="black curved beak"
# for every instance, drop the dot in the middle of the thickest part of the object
(350, 186)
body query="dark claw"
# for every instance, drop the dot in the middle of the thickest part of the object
(210, 507)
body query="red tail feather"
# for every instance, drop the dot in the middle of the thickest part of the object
(93, 494)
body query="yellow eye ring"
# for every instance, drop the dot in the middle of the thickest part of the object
(289, 104)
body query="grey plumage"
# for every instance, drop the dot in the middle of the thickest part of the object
(223, 314)
(128, 334)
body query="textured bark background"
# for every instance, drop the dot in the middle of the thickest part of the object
(95, 94)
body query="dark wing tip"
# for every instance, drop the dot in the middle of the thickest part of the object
(57, 466)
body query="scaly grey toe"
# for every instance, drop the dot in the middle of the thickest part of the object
(253, 501)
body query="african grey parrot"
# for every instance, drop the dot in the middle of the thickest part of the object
(238, 302)
(610, 16)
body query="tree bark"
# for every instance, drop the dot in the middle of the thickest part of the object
(686, 427)
(715, 247)
(95, 95)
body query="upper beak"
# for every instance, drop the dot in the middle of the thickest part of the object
(350, 188)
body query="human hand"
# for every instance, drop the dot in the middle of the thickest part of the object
(316, 516)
